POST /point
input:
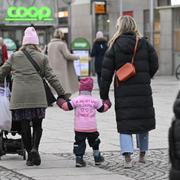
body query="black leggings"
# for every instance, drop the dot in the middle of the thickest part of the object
(26, 132)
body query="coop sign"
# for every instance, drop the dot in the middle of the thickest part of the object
(31, 13)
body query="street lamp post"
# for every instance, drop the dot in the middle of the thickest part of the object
(151, 21)
(121, 7)
(69, 2)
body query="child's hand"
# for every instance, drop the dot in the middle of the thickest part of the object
(65, 106)
(107, 102)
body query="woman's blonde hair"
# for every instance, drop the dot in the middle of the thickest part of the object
(124, 24)
(31, 46)
(58, 34)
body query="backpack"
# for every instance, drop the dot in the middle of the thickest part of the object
(174, 141)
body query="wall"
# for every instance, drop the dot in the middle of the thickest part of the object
(81, 22)
(166, 47)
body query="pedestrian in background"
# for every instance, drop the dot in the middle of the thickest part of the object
(28, 100)
(133, 98)
(62, 62)
(85, 106)
(98, 50)
(3, 52)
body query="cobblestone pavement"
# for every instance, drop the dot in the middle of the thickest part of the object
(6, 174)
(156, 167)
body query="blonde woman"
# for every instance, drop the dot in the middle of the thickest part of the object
(133, 98)
(28, 100)
(61, 61)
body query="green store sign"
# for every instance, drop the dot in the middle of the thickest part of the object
(80, 44)
(31, 13)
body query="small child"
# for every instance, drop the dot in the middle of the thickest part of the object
(85, 127)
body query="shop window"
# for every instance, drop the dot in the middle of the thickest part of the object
(102, 24)
(63, 16)
(176, 19)
(164, 2)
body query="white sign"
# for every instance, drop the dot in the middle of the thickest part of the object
(175, 2)
(82, 65)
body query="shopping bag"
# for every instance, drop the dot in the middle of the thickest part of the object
(5, 113)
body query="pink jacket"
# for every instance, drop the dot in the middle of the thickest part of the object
(85, 112)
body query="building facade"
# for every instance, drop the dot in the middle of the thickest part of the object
(85, 22)
(83, 18)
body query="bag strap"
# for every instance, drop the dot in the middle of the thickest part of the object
(135, 49)
(33, 62)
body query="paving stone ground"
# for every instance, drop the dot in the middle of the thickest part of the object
(156, 167)
(6, 174)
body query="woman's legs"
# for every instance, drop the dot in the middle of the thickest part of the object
(26, 135)
(126, 144)
(27, 140)
(37, 133)
(142, 143)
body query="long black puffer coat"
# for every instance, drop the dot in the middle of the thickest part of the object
(174, 142)
(133, 98)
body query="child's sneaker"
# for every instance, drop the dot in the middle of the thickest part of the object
(80, 162)
(98, 159)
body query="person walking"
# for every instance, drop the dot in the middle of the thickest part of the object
(28, 99)
(61, 61)
(98, 51)
(3, 52)
(133, 98)
(85, 106)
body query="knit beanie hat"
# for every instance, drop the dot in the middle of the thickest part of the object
(99, 34)
(86, 84)
(30, 36)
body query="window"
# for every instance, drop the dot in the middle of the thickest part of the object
(156, 28)
(176, 19)
(164, 2)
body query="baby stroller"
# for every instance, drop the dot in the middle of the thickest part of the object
(9, 142)
(12, 144)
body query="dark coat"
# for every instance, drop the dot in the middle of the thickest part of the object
(174, 142)
(98, 51)
(133, 98)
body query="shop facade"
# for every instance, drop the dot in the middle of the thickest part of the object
(16, 15)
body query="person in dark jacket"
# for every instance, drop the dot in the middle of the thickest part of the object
(174, 142)
(98, 51)
(133, 98)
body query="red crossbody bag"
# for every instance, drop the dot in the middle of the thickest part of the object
(127, 70)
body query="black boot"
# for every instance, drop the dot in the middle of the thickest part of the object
(29, 161)
(80, 162)
(36, 141)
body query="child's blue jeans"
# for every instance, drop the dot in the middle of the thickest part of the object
(126, 142)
